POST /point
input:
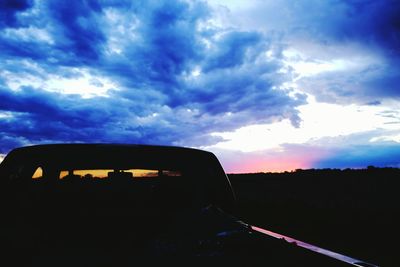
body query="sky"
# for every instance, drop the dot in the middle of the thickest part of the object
(267, 85)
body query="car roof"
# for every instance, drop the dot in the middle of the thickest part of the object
(117, 155)
(97, 147)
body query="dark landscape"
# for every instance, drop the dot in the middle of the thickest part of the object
(353, 212)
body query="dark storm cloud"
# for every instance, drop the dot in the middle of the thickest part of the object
(77, 28)
(374, 23)
(158, 43)
(177, 76)
(9, 10)
(39, 115)
(352, 30)
(44, 117)
(231, 50)
(74, 28)
(375, 26)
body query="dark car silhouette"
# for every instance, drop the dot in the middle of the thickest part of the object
(127, 205)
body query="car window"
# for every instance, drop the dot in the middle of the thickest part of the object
(116, 173)
(38, 174)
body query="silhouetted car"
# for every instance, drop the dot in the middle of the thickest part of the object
(122, 205)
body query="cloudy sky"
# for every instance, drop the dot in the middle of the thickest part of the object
(266, 85)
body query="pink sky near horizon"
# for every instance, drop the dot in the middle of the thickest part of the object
(263, 161)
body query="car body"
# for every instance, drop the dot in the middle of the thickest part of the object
(120, 205)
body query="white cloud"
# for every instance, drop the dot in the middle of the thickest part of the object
(87, 85)
(82, 82)
(232, 4)
(5, 115)
(29, 34)
(309, 59)
(319, 120)
(383, 138)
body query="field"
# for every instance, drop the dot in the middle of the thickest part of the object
(353, 212)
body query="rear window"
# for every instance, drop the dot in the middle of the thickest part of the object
(115, 173)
